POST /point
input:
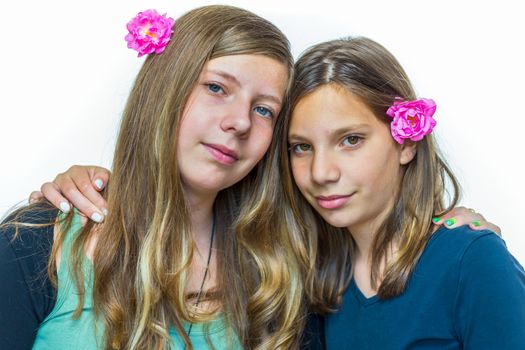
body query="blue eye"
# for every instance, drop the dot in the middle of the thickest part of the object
(263, 111)
(215, 88)
(300, 148)
(352, 140)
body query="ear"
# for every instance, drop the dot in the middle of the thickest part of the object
(408, 152)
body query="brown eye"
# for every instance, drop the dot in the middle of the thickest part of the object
(300, 148)
(351, 140)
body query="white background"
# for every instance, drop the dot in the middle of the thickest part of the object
(65, 73)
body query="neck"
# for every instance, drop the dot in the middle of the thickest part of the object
(364, 236)
(201, 215)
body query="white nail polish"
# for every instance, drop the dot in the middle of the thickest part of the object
(99, 183)
(105, 211)
(96, 217)
(64, 206)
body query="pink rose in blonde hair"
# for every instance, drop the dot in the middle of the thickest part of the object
(149, 32)
(412, 119)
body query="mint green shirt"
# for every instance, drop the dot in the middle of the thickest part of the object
(60, 331)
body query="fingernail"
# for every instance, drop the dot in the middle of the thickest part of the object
(105, 211)
(97, 217)
(476, 223)
(64, 206)
(436, 220)
(99, 183)
(450, 222)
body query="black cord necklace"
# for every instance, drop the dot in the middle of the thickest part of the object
(205, 271)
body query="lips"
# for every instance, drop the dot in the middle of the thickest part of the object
(332, 202)
(221, 153)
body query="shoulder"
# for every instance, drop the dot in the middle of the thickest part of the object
(28, 231)
(490, 293)
(471, 256)
(27, 294)
(455, 243)
(481, 262)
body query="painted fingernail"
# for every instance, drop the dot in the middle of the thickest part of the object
(64, 206)
(450, 222)
(99, 183)
(436, 220)
(476, 223)
(105, 211)
(97, 217)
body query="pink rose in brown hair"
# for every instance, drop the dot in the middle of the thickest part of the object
(412, 119)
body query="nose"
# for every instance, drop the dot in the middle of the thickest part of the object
(237, 119)
(325, 168)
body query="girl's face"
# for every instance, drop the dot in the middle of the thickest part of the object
(344, 160)
(228, 121)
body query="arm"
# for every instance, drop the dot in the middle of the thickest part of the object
(79, 186)
(490, 303)
(26, 295)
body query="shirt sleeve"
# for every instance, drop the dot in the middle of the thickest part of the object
(27, 295)
(490, 303)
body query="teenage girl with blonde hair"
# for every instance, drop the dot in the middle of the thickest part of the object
(182, 260)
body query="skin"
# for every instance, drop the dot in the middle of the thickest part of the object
(79, 186)
(339, 148)
(226, 128)
(347, 166)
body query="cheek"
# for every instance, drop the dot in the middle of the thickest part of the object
(300, 172)
(261, 140)
(380, 176)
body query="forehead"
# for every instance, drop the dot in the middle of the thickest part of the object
(247, 67)
(331, 107)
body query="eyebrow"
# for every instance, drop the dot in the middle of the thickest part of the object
(226, 76)
(271, 98)
(337, 132)
(234, 80)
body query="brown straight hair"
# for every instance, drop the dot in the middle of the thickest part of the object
(368, 70)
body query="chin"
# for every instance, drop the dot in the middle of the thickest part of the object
(340, 220)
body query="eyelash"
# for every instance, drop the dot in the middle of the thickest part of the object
(294, 147)
(210, 85)
(270, 113)
(359, 140)
(268, 110)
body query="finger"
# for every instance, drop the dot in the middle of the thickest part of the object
(100, 176)
(35, 196)
(52, 193)
(448, 217)
(479, 225)
(79, 200)
(89, 180)
(464, 218)
(80, 178)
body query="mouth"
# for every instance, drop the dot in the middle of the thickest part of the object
(333, 201)
(221, 154)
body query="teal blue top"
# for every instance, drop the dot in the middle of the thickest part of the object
(466, 292)
(60, 331)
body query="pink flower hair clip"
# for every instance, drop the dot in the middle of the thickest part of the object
(149, 32)
(411, 119)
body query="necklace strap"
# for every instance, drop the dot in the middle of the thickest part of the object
(206, 269)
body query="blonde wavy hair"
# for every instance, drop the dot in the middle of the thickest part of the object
(371, 72)
(145, 246)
